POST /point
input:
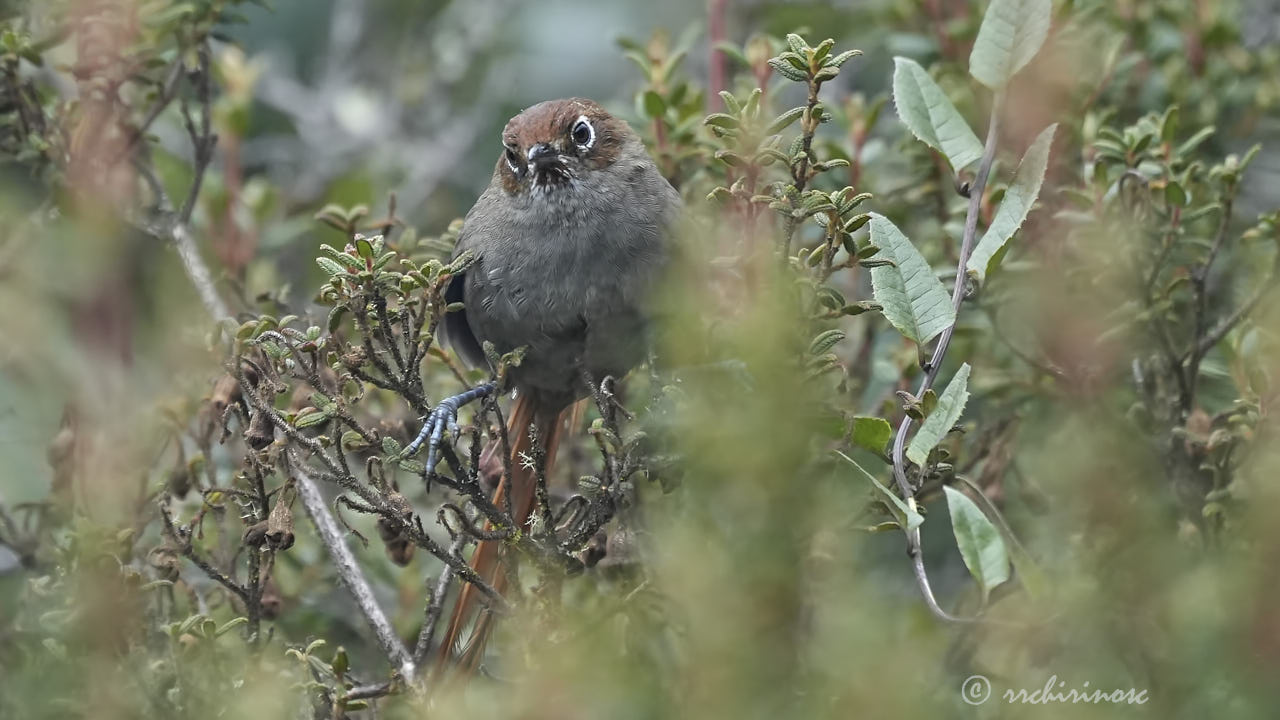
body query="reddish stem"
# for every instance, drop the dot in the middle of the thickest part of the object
(716, 61)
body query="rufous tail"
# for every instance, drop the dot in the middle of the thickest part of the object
(487, 559)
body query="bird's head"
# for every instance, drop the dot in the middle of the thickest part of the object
(557, 145)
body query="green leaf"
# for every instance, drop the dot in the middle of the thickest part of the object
(860, 307)
(930, 116)
(905, 515)
(730, 102)
(330, 266)
(797, 43)
(311, 418)
(825, 341)
(843, 58)
(979, 542)
(654, 105)
(231, 624)
(1017, 203)
(352, 440)
(1011, 34)
(340, 662)
(912, 297)
(781, 122)
(871, 433)
(1029, 573)
(942, 419)
(784, 69)
(1195, 140)
(721, 120)
(824, 48)
(335, 317)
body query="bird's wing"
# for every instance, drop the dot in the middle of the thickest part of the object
(455, 330)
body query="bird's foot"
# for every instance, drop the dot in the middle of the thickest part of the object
(444, 416)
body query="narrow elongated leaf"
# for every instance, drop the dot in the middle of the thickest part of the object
(906, 517)
(1030, 574)
(871, 433)
(330, 266)
(979, 541)
(1017, 202)
(930, 116)
(911, 295)
(1011, 34)
(944, 416)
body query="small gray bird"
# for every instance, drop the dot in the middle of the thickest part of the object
(569, 238)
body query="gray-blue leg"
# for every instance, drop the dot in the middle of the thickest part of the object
(445, 415)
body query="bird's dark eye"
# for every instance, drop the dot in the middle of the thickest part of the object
(513, 160)
(583, 134)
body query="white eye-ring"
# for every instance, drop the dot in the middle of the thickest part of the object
(512, 158)
(584, 136)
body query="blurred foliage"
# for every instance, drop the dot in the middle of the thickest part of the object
(1089, 486)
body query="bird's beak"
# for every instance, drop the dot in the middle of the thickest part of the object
(546, 165)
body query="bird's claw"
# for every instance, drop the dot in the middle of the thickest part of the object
(444, 416)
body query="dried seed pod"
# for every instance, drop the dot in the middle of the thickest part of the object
(260, 432)
(179, 481)
(280, 521)
(226, 392)
(386, 531)
(401, 551)
(165, 560)
(400, 504)
(355, 357)
(399, 547)
(255, 535)
(595, 550)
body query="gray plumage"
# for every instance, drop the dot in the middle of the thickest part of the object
(566, 253)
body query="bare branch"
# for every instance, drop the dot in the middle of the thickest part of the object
(348, 571)
(435, 608)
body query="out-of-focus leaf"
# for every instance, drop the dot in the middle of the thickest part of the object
(979, 542)
(654, 105)
(1011, 34)
(825, 341)
(906, 517)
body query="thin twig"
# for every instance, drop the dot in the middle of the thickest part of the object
(348, 571)
(1214, 336)
(182, 541)
(435, 608)
(1200, 282)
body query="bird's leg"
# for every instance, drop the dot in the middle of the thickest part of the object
(445, 415)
